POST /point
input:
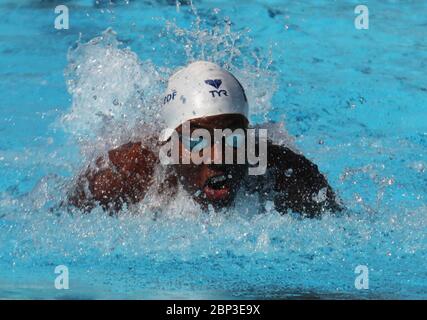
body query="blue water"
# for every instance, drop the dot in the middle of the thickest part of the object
(353, 101)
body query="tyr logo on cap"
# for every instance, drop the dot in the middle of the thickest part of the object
(216, 83)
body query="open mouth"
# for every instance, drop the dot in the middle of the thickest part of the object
(217, 188)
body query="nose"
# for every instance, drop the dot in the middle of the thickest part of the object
(217, 156)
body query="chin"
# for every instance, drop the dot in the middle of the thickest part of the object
(216, 203)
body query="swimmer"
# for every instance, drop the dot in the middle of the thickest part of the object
(204, 96)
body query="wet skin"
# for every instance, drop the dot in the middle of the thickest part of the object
(128, 173)
(196, 178)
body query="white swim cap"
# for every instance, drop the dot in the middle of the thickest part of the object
(199, 90)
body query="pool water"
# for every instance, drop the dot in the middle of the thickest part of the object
(353, 101)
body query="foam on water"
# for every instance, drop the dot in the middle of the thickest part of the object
(154, 249)
(240, 252)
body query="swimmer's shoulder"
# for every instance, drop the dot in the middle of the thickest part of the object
(293, 170)
(283, 157)
(133, 157)
(295, 179)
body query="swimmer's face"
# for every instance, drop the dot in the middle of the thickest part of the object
(215, 184)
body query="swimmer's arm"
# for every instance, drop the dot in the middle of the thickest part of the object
(123, 178)
(299, 186)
